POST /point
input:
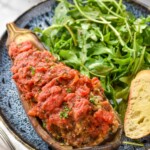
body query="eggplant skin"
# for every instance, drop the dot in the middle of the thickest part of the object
(19, 36)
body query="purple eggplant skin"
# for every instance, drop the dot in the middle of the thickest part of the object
(18, 36)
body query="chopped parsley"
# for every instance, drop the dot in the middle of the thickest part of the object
(69, 90)
(44, 124)
(46, 59)
(32, 69)
(64, 113)
(92, 100)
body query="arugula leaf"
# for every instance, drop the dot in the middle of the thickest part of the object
(70, 58)
(99, 49)
(60, 14)
(98, 67)
(146, 36)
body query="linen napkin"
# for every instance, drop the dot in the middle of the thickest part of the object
(16, 143)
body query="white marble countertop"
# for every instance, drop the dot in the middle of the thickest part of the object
(11, 9)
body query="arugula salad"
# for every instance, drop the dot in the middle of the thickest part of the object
(100, 38)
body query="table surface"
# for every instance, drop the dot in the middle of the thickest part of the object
(11, 9)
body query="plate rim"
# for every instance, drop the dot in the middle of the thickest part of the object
(2, 117)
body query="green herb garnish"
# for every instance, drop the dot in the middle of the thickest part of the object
(32, 69)
(69, 90)
(44, 124)
(64, 112)
(92, 100)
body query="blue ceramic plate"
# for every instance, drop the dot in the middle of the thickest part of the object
(10, 106)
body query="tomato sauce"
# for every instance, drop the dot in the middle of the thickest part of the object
(72, 106)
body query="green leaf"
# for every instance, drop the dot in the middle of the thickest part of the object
(98, 67)
(123, 93)
(140, 25)
(126, 79)
(147, 57)
(70, 58)
(99, 49)
(92, 12)
(84, 71)
(38, 30)
(122, 109)
(107, 37)
(122, 61)
(146, 36)
(60, 16)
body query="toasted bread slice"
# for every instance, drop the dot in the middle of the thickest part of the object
(137, 118)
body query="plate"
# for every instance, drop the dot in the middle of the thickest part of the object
(10, 106)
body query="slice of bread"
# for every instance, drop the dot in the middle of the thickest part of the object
(137, 118)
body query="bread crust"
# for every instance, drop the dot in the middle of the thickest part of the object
(143, 75)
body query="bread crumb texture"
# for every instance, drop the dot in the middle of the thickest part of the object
(137, 118)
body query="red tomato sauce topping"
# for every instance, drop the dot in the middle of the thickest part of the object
(72, 107)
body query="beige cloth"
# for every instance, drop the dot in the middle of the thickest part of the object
(9, 11)
(3, 146)
(14, 141)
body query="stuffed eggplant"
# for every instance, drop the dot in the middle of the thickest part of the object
(67, 109)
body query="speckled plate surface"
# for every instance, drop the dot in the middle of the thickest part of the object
(10, 106)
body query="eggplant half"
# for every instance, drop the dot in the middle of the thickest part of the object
(57, 133)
